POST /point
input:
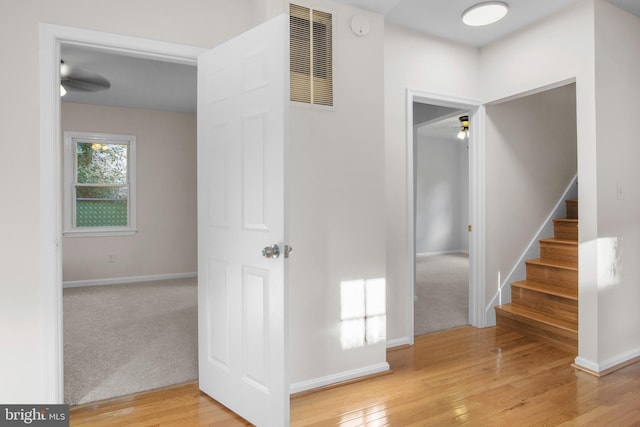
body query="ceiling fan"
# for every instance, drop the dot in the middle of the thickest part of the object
(80, 80)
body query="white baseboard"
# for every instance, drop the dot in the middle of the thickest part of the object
(610, 364)
(586, 364)
(337, 378)
(425, 254)
(121, 280)
(397, 342)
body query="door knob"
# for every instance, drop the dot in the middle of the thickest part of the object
(272, 251)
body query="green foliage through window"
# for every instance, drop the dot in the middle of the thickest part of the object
(99, 183)
(101, 163)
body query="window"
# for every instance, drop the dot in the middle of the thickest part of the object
(311, 65)
(99, 184)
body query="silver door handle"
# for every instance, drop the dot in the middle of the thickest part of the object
(272, 251)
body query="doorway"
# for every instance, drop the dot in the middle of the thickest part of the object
(219, 69)
(446, 107)
(442, 218)
(52, 36)
(130, 306)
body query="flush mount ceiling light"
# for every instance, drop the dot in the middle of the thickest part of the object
(485, 13)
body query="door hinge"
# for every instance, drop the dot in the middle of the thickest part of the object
(469, 228)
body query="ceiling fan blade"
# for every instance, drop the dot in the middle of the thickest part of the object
(77, 79)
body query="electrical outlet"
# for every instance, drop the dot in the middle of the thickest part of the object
(111, 258)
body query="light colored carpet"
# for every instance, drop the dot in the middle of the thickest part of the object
(123, 339)
(442, 288)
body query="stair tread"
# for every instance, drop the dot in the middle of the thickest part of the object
(570, 220)
(525, 312)
(547, 289)
(553, 263)
(545, 304)
(559, 241)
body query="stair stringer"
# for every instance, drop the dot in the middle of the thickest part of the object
(518, 271)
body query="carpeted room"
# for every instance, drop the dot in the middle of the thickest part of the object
(130, 319)
(441, 294)
(126, 338)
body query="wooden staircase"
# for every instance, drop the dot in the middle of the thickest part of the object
(544, 306)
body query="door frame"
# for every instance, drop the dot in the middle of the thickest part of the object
(477, 310)
(50, 256)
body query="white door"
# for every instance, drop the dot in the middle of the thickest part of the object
(243, 99)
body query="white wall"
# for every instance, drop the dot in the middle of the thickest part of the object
(199, 23)
(337, 202)
(418, 62)
(442, 182)
(531, 158)
(558, 49)
(590, 43)
(166, 196)
(618, 151)
(463, 195)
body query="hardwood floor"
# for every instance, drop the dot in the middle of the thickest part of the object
(464, 376)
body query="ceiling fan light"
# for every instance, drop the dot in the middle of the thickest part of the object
(64, 69)
(485, 13)
(464, 127)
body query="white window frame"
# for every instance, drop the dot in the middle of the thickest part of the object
(69, 164)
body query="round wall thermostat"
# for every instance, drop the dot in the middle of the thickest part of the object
(359, 25)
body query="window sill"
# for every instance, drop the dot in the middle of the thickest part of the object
(100, 232)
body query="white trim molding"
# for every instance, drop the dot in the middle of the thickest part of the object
(609, 365)
(428, 254)
(50, 284)
(50, 288)
(476, 201)
(338, 378)
(126, 280)
(398, 342)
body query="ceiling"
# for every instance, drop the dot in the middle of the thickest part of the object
(144, 83)
(135, 82)
(446, 128)
(442, 18)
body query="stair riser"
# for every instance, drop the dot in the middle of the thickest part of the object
(560, 307)
(550, 251)
(544, 306)
(561, 338)
(572, 209)
(567, 279)
(565, 230)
